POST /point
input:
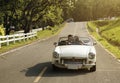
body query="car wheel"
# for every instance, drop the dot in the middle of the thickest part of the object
(54, 67)
(93, 69)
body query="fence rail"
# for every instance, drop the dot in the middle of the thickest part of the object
(16, 37)
(39, 29)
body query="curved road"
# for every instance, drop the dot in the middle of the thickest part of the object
(27, 64)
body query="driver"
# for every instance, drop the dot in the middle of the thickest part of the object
(77, 41)
(70, 39)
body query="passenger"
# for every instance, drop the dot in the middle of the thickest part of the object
(77, 41)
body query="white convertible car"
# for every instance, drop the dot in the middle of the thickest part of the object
(75, 55)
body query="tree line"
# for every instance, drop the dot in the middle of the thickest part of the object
(95, 9)
(28, 14)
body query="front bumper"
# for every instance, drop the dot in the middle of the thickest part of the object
(74, 65)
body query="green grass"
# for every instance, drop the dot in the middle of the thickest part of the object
(40, 35)
(47, 33)
(108, 35)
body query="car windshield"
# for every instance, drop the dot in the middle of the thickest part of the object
(74, 41)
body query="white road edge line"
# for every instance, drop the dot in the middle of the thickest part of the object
(40, 75)
(102, 46)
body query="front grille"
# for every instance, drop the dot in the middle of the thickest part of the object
(73, 61)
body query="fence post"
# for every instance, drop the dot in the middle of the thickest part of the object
(7, 40)
(36, 34)
(14, 38)
(23, 37)
(30, 35)
(27, 35)
(20, 37)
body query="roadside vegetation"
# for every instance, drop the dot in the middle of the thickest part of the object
(43, 34)
(107, 33)
(2, 32)
(29, 14)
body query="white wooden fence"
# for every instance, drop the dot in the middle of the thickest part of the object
(39, 29)
(17, 37)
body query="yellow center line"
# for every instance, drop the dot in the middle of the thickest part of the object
(40, 75)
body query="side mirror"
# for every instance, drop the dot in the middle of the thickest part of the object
(94, 43)
(55, 43)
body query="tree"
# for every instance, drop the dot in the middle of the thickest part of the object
(95, 9)
(31, 13)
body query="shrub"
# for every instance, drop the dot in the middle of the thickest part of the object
(2, 31)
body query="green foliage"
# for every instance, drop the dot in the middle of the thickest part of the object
(112, 33)
(92, 26)
(32, 13)
(109, 34)
(53, 15)
(95, 9)
(110, 30)
(26, 14)
(40, 35)
(101, 23)
(2, 31)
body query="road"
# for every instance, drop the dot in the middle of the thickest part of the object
(27, 65)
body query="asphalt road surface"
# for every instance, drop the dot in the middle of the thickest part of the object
(32, 64)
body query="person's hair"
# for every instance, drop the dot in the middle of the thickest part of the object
(70, 35)
(76, 38)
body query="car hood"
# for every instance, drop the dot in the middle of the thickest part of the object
(79, 51)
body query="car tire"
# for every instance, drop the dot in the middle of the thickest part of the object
(54, 68)
(93, 69)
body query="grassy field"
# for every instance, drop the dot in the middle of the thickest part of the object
(107, 33)
(40, 35)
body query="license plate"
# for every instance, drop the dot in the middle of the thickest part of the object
(74, 66)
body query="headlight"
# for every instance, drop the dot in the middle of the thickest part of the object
(55, 55)
(91, 55)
